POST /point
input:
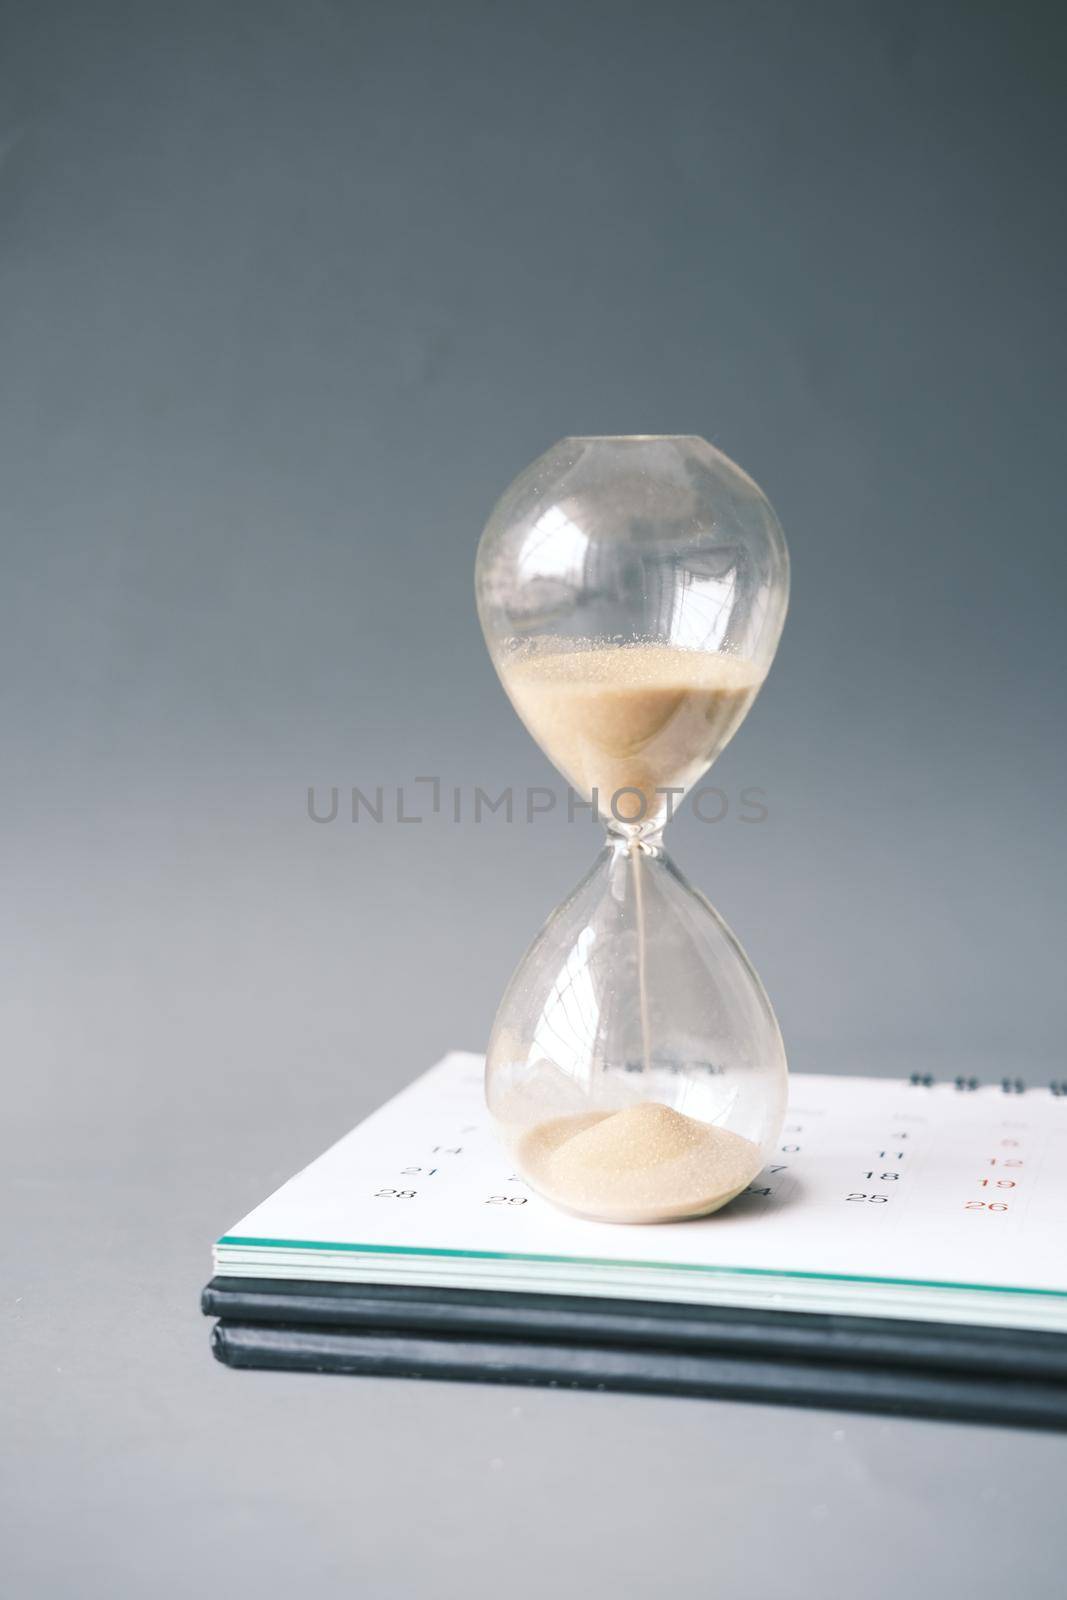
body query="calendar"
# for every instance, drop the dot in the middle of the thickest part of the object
(939, 1202)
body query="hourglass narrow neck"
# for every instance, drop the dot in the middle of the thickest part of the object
(646, 838)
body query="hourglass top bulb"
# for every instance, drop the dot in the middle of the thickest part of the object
(632, 591)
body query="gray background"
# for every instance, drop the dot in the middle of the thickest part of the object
(288, 293)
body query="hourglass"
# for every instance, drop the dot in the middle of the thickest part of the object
(632, 591)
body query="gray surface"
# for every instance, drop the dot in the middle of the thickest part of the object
(289, 292)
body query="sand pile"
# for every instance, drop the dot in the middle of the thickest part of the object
(647, 1163)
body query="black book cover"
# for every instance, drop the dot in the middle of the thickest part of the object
(864, 1363)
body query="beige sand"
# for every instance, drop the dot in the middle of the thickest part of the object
(647, 1163)
(636, 716)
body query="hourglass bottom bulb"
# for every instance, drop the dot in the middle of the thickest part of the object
(635, 1070)
(647, 1163)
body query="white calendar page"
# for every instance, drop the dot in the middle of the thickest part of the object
(883, 1198)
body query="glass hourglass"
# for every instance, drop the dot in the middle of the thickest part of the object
(632, 591)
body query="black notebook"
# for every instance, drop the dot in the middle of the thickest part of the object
(903, 1250)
